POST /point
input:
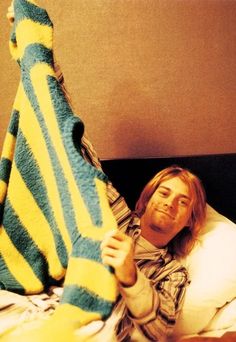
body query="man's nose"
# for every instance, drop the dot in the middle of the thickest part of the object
(170, 202)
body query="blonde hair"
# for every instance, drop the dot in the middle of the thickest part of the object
(184, 241)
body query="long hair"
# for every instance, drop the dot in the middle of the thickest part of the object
(184, 241)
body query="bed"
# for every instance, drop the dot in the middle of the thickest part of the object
(210, 306)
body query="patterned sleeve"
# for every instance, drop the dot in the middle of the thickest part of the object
(170, 291)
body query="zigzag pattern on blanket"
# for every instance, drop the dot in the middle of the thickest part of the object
(54, 208)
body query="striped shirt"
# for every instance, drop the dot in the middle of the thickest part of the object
(159, 289)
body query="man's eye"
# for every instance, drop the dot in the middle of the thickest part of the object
(163, 193)
(184, 203)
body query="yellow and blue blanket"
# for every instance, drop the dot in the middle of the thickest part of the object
(53, 206)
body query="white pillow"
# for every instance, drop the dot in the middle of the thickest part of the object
(224, 318)
(211, 266)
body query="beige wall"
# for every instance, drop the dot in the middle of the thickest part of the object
(148, 77)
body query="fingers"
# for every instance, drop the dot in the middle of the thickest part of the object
(114, 235)
(111, 239)
(111, 252)
(116, 241)
(115, 248)
(117, 251)
(110, 259)
(114, 258)
(10, 14)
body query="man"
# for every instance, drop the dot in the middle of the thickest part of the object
(167, 219)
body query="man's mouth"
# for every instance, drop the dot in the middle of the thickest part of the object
(166, 213)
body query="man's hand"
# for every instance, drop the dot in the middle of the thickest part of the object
(118, 252)
(10, 14)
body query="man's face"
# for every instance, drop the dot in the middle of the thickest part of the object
(167, 212)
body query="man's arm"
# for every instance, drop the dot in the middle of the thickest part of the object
(153, 305)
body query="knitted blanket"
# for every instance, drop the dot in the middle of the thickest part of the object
(53, 206)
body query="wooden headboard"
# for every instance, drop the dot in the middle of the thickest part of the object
(217, 173)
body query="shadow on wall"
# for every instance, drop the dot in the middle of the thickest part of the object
(138, 121)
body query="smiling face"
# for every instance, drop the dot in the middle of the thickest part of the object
(168, 211)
